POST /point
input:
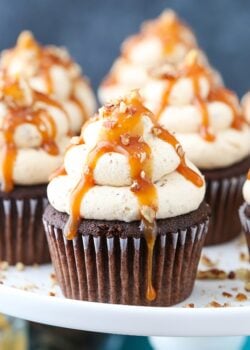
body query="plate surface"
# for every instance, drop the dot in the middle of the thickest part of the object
(32, 294)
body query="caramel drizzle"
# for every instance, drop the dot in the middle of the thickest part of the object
(168, 28)
(122, 135)
(248, 175)
(18, 115)
(80, 105)
(47, 59)
(195, 71)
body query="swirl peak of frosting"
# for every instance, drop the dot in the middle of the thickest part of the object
(163, 40)
(30, 123)
(51, 70)
(168, 30)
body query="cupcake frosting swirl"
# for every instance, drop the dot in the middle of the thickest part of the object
(127, 153)
(50, 70)
(165, 39)
(205, 116)
(34, 133)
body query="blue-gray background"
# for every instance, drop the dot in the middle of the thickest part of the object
(93, 30)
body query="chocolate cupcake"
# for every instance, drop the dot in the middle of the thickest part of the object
(126, 220)
(245, 210)
(51, 70)
(34, 133)
(166, 39)
(209, 123)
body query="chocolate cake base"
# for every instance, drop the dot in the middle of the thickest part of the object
(244, 213)
(224, 195)
(22, 237)
(107, 261)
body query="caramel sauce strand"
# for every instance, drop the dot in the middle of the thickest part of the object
(194, 71)
(8, 157)
(165, 97)
(17, 116)
(48, 59)
(228, 97)
(183, 168)
(80, 105)
(150, 232)
(85, 184)
(168, 29)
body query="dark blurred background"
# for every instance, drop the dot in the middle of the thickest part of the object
(92, 30)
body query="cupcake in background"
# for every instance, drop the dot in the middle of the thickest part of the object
(245, 210)
(131, 207)
(34, 133)
(209, 123)
(51, 70)
(165, 39)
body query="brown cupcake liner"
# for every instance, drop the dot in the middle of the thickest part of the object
(22, 237)
(224, 197)
(112, 269)
(245, 222)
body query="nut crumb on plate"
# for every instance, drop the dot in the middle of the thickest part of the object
(20, 266)
(211, 274)
(241, 297)
(205, 260)
(4, 265)
(227, 295)
(190, 305)
(247, 287)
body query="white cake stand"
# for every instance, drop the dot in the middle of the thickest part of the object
(31, 294)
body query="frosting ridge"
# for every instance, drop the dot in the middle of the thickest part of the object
(50, 70)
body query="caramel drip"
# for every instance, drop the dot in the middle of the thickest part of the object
(170, 32)
(59, 172)
(150, 231)
(194, 71)
(205, 132)
(81, 107)
(183, 168)
(168, 29)
(17, 116)
(45, 125)
(228, 97)
(121, 133)
(248, 175)
(45, 56)
(165, 96)
(47, 60)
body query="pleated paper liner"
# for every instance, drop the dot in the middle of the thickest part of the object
(113, 269)
(224, 197)
(22, 237)
(245, 222)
